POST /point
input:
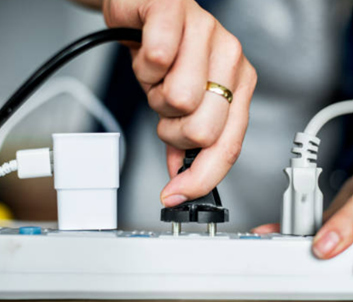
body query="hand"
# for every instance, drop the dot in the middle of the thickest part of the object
(183, 47)
(337, 232)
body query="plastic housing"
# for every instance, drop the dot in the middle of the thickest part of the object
(302, 202)
(33, 163)
(86, 173)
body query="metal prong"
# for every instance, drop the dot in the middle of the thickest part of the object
(176, 228)
(212, 229)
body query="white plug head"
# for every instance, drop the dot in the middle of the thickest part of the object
(303, 201)
(86, 172)
(34, 163)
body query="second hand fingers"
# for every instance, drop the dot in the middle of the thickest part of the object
(336, 234)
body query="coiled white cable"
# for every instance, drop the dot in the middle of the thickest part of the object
(8, 167)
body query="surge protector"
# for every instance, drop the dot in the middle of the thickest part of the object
(52, 264)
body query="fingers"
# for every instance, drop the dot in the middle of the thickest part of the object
(344, 194)
(213, 163)
(122, 13)
(182, 48)
(162, 23)
(204, 126)
(174, 160)
(183, 88)
(161, 37)
(201, 129)
(336, 234)
(267, 228)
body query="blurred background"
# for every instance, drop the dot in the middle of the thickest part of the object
(301, 49)
(31, 32)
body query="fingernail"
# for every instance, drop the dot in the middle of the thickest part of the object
(173, 200)
(326, 244)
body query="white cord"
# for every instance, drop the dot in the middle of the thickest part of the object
(303, 200)
(73, 87)
(327, 114)
(8, 167)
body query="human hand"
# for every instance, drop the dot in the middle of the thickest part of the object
(183, 47)
(336, 234)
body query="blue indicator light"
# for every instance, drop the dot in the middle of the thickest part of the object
(30, 230)
(249, 237)
(140, 235)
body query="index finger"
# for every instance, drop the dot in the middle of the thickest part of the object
(162, 22)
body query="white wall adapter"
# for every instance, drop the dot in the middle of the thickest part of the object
(86, 173)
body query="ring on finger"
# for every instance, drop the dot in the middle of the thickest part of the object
(220, 90)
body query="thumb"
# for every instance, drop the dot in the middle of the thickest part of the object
(337, 233)
(204, 174)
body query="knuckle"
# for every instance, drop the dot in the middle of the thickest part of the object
(236, 46)
(209, 23)
(107, 12)
(159, 56)
(253, 75)
(140, 75)
(112, 12)
(232, 152)
(183, 99)
(234, 51)
(200, 136)
(162, 132)
(136, 68)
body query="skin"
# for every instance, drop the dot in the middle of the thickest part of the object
(183, 47)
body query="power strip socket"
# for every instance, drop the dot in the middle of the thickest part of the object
(148, 265)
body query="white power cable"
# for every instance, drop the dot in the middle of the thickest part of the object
(303, 200)
(73, 87)
(327, 114)
(8, 167)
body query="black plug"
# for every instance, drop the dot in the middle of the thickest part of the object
(207, 209)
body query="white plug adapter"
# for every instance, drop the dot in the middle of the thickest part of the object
(86, 177)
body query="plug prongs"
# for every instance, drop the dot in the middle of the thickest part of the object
(212, 229)
(176, 228)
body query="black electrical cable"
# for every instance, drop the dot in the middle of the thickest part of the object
(61, 58)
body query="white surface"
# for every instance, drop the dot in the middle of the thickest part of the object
(86, 172)
(33, 163)
(111, 265)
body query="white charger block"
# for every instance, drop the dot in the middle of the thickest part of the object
(86, 177)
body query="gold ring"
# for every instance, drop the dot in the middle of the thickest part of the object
(220, 90)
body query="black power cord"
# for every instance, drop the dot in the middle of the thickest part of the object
(60, 59)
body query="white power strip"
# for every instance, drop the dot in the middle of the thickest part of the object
(146, 265)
